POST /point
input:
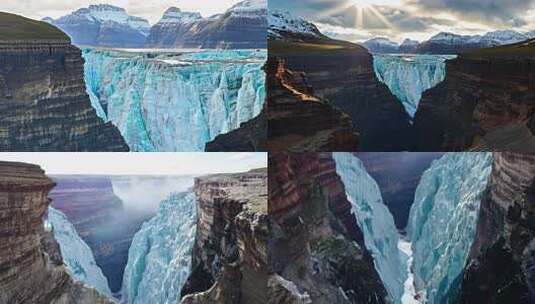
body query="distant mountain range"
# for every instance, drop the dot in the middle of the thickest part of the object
(448, 43)
(244, 25)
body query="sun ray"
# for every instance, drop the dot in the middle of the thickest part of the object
(381, 17)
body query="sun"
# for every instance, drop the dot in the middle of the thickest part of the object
(368, 6)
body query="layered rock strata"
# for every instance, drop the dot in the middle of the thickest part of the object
(31, 269)
(342, 73)
(501, 265)
(486, 102)
(316, 251)
(229, 262)
(43, 101)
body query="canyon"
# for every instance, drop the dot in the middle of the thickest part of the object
(43, 99)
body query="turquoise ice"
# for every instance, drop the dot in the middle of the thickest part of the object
(443, 220)
(159, 258)
(408, 76)
(175, 101)
(77, 255)
(375, 221)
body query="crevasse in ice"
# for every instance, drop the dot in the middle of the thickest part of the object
(159, 258)
(164, 101)
(408, 76)
(376, 222)
(77, 255)
(443, 220)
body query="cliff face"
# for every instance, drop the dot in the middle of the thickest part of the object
(342, 73)
(316, 252)
(43, 101)
(31, 268)
(229, 256)
(486, 102)
(501, 265)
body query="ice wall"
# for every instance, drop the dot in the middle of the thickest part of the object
(409, 76)
(443, 220)
(175, 101)
(376, 222)
(77, 255)
(159, 258)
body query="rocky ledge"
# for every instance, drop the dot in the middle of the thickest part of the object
(316, 250)
(486, 103)
(31, 266)
(501, 265)
(43, 101)
(229, 262)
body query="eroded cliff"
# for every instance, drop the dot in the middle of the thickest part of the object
(316, 251)
(229, 256)
(31, 269)
(486, 102)
(43, 101)
(501, 265)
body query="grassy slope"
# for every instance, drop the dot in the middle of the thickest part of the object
(526, 48)
(14, 27)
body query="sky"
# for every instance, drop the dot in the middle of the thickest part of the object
(152, 10)
(358, 20)
(141, 163)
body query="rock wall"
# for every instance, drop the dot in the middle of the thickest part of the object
(501, 265)
(229, 256)
(316, 252)
(43, 102)
(31, 268)
(343, 74)
(485, 103)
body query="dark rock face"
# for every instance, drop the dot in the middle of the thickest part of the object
(501, 265)
(99, 218)
(299, 121)
(342, 73)
(486, 103)
(31, 268)
(43, 101)
(316, 252)
(243, 26)
(229, 256)
(398, 175)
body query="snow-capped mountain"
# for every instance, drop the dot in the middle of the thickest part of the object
(408, 46)
(242, 26)
(77, 255)
(381, 45)
(282, 24)
(103, 25)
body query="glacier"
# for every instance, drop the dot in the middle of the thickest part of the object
(178, 100)
(159, 259)
(376, 222)
(443, 219)
(408, 76)
(77, 255)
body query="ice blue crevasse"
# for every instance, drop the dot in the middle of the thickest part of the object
(175, 101)
(443, 220)
(77, 255)
(159, 258)
(408, 76)
(376, 222)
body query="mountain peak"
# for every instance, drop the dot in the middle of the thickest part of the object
(176, 15)
(282, 21)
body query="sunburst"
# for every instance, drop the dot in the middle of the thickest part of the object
(364, 9)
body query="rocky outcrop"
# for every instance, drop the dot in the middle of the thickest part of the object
(30, 261)
(486, 102)
(501, 265)
(229, 262)
(316, 251)
(43, 101)
(243, 26)
(99, 218)
(342, 74)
